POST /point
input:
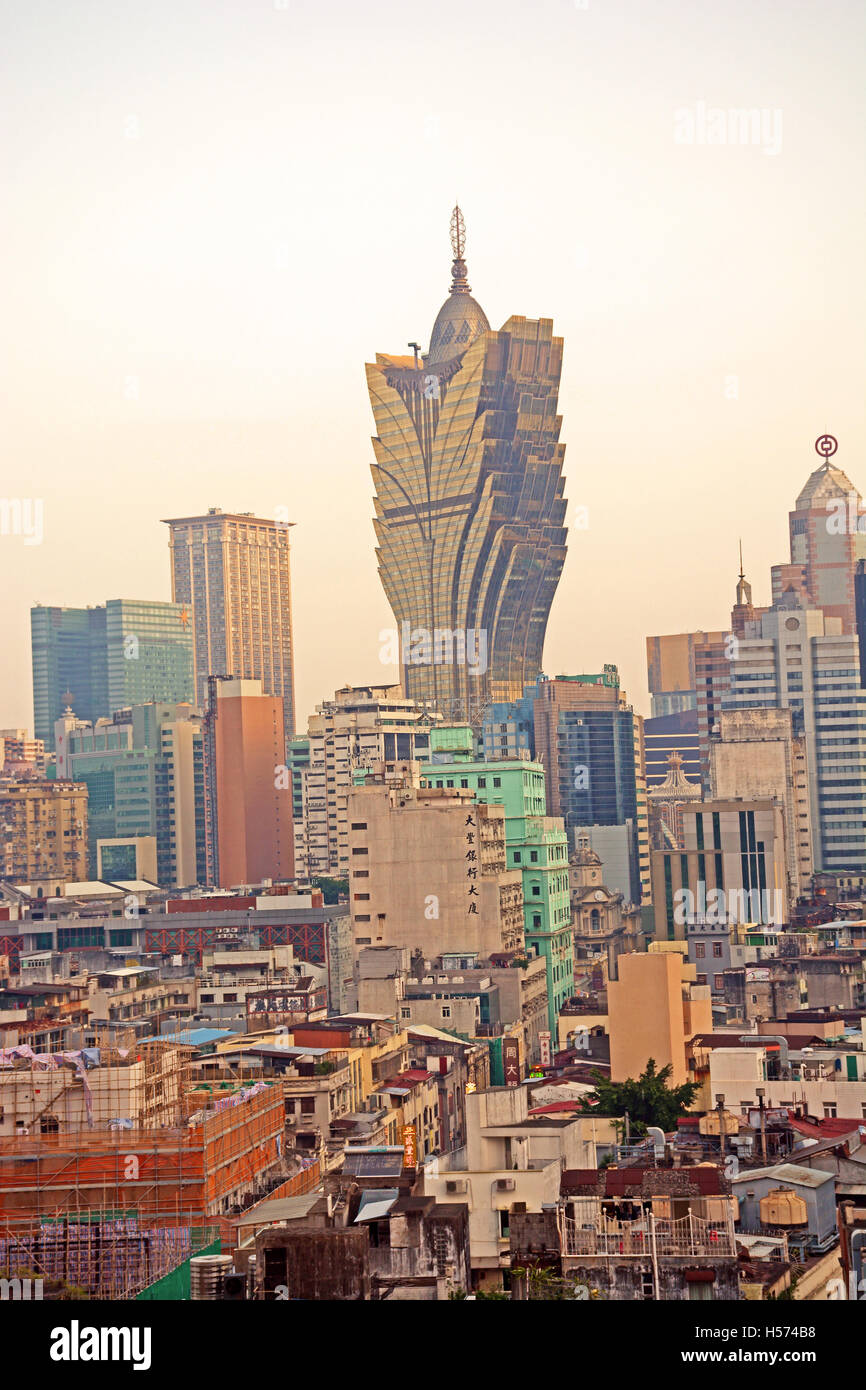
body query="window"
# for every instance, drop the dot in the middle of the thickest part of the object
(360, 851)
(700, 950)
(405, 1013)
(718, 983)
(446, 1010)
(518, 858)
(504, 1225)
(533, 856)
(482, 781)
(717, 950)
(359, 825)
(308, 1105)
(829, 1110)
(497, 781)
(701, 980)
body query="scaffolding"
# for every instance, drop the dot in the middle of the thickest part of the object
(108, 1257)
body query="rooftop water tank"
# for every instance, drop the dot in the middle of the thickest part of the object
(782, 1207)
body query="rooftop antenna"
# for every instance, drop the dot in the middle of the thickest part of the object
(742, 575)
(458, 233)
(459, 283)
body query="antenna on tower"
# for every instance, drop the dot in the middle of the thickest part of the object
(458, 233)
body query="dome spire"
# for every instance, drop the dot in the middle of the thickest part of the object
(459, 283)
(461, 319)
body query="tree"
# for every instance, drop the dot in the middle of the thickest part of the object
(332, 888)
(649, 1100)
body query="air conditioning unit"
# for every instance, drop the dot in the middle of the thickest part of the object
(456, 1185)
(504, 1184)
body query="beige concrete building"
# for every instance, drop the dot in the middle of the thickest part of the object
(653, 1008)
(361, 726)
(44, 841)
(733, 867)
(510, 1157)
(754, 755)
(428, 868)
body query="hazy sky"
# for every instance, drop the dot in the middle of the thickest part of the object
(217, 210)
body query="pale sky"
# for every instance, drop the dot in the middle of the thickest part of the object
(217, 210)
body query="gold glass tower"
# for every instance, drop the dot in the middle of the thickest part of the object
(470, 513)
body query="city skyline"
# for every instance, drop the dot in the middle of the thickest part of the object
(704, 294)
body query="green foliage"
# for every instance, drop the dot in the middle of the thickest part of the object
(649, 1100)
(332, 888)
(543, 1285)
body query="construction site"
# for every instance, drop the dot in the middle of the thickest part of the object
(114, 1169)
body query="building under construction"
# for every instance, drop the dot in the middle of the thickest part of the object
(106, 1180)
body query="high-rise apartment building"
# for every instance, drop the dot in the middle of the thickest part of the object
(98, 660)
(590, 742)
(44, 834)
(144, 773)
(20, 750)
(805, 662)
(248, 786)
(470, 512)
(361, 726)
(429, 869)
(231, 573)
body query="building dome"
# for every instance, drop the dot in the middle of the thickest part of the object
(458, 323)
(461, 318)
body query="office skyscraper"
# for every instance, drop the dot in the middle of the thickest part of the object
(231, 571)
(70, 666)
(470, 513)
(98, 660)
(143, 770)
(591, 744)
(149, 653)
(828, 535)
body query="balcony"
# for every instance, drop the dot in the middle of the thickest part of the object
(650, 1236)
